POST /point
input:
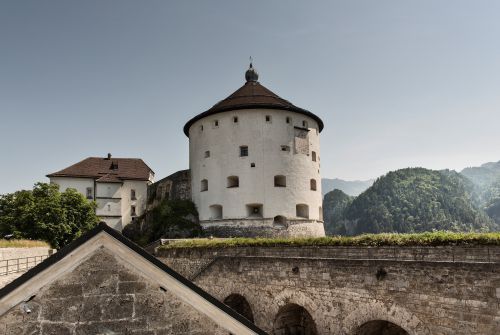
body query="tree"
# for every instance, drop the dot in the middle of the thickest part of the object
(46, 214)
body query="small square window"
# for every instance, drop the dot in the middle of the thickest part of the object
(132, 195)
(235, 119)
(288, 120)
(304, 124)
(252, 164)
(313, 184)
(201, 128)
(268, 118)
(207, 153)
(285, 148)
(89, 192)
(204, 185)
(216, 123)
(243, 151)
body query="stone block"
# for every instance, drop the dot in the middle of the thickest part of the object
(109, 327)
(117, 307)
(132, 287)
(62, 289)
(49, 328)
(67, 309)
(100, 282)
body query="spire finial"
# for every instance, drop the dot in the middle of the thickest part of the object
(251, 75)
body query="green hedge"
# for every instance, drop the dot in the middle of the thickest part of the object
(440, 238)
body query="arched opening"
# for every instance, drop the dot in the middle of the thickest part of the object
(233, 181)
(280, 220)
(302, 211)
(215, 212)
(313, 185)
(240, 305)
(204, 185)
(279, 181)
(380, 327)
(254, 210)
(293, 319)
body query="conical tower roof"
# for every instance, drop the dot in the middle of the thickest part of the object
(252, 95)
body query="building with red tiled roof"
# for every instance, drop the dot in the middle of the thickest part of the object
(118, 185)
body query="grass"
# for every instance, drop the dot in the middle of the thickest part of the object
(22, 244)
(421, 239)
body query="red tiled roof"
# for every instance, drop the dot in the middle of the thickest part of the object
(250, 96)
(252, 93)
(108, 168)
(109, 178)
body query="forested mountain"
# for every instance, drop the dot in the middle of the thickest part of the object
(486, 179)
(410, 200)
(350, 187)
(484, 175)
(334, 206)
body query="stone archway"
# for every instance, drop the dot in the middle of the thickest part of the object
(293, 319)
(240, 305)
(380, 327)
(367, 318)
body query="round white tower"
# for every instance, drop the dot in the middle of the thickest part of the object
(255, 165)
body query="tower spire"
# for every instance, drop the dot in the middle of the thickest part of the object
(251, 75)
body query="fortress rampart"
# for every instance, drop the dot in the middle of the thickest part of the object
(352, 290)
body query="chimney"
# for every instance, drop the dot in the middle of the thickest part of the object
(109, 156)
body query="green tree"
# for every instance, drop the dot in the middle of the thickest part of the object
(46, 214)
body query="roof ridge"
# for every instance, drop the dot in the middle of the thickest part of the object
(93, 167)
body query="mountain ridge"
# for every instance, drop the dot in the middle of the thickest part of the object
(418, 199)
(350, 187)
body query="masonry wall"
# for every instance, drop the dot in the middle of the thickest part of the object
(424, 290)
(177, 186)
(103, 296)
(263, 228)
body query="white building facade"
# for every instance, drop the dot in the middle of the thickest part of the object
(117, 185)
(255, 165)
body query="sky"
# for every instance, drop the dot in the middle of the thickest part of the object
(397, 83)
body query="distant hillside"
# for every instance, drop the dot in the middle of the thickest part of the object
(353, 188)
(484, 175)
(486, 179)
(334, 205)
(411, 200)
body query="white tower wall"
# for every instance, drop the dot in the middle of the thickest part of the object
(266, 141)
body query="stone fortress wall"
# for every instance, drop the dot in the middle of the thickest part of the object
(352, 290)
(263, 228)
(177, 186)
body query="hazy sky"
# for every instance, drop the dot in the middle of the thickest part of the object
(397, 83)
